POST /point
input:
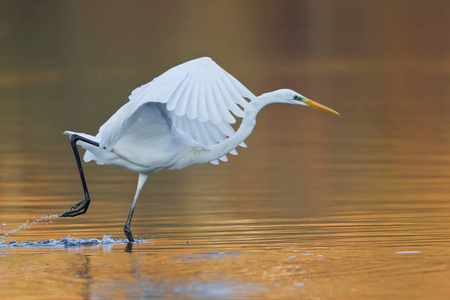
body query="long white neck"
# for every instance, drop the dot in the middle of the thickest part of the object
(244, 130)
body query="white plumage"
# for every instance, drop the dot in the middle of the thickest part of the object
(199, 97)
(179, 119)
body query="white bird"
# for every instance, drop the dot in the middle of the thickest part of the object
(179, 119)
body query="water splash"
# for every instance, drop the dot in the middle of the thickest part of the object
(28, 224)
(70, 242)
(62, 243)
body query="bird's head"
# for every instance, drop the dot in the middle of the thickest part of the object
(292, 97)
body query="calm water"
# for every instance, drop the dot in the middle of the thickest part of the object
(318, 206)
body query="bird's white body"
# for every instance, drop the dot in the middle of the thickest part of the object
(179, 119)
(149, 145)
(151, 132)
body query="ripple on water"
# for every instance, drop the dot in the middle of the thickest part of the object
(214, 255)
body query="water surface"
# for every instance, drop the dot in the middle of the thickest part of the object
(318, 206)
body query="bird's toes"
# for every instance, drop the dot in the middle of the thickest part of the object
(75, 206)
(77, 209)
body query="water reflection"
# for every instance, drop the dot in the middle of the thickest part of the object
(155, 270)
(349, 207)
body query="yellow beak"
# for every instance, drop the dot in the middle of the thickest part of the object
(316, 105)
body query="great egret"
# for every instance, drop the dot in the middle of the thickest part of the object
(179, 119)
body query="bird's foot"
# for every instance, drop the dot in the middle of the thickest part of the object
(77, 209)
(128, 233)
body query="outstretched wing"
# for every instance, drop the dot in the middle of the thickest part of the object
(201, 99)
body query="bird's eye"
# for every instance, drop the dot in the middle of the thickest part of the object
(296, 97)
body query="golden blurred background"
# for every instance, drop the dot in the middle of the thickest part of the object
(375, 179)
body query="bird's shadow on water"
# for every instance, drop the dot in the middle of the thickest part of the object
(142, 287)
(129, 247)
(218, 288)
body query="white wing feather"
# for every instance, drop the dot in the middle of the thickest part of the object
(200, 98)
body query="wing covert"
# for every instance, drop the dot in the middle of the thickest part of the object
(201, 99)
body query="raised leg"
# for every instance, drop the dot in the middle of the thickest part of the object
(82, 206)
(127, 227)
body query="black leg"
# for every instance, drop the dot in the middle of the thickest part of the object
(82, 206)
(127, 227)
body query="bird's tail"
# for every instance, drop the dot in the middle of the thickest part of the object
(90, 149)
